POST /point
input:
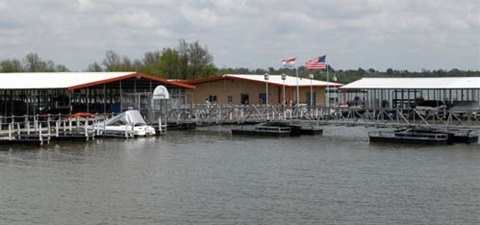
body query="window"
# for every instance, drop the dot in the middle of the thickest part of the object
(212, 98)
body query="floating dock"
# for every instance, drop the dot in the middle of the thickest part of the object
(272, 131)
(424, 135)
(279, 128)
(311, 130)
(412, 138)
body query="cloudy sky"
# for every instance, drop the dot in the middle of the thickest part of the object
(379, 34)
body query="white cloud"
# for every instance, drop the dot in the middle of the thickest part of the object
(84, 5)
(255, 34)
(132, 19)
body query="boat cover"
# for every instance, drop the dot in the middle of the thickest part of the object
(130, 117)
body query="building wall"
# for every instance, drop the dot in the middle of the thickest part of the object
(229, 91)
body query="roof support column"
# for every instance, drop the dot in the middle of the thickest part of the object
(69, 101)
(121, 96)
(88, 99)
(104, 99)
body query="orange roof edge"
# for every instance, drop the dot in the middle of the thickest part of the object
(204, 79)
(119, 78)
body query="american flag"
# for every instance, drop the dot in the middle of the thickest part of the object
(316, 63)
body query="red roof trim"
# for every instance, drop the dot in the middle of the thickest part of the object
(204, 79)
(227, 76)
(119, 78)
(286, 85)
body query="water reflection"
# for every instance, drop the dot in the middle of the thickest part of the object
(208, 176)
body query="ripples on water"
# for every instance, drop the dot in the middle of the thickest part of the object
(210, 177)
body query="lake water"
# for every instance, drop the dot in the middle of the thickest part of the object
(208, 176)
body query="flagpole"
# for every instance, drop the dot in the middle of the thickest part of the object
(298, 92)
(328, 84)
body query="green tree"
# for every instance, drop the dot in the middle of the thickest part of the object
(169, 64)
(183, 58)
(390, 71)
(33, 63)
(49, 66)
(94, 67)
(112, 61)
(200, 60)
(10, 66)
(150, 63)
(61, 68)
(126, 64)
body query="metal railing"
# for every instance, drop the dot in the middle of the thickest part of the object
(221, 114)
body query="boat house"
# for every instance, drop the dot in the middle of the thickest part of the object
(72, 92)
(420, 93)
(244, 89)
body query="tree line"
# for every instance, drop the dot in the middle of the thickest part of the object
(191, 61)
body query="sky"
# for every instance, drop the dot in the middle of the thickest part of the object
(399, 34)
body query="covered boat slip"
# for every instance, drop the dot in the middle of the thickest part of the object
(407, 92)
(443, 98)
(79, 92)
(63, 104)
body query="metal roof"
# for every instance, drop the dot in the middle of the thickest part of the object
(290, 81)
(416, 83)
(71, 80)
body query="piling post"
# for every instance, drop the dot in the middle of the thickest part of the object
(86, 129)
(78, 122)
(160, 124)
(40, 137)
(57, 128)
(27, 125)
(10, 130)
(49, 129)
(64, 126)
(35, 122)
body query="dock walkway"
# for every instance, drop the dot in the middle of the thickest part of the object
(41, 129)
(381, 117)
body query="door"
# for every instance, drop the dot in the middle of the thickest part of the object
(314, 98)
(262, 98)
(244, 99)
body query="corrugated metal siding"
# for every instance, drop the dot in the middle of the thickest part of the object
(416, 83)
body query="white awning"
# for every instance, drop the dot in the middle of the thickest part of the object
(53, 80)
(71, 80)
(416, 83)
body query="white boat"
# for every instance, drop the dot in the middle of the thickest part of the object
(129, 123)
(431, 107)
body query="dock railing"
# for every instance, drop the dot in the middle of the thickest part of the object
(340, 115)
(41, 128)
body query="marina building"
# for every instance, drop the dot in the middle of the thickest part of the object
(244, 89)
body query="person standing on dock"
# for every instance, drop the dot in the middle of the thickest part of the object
(207, 103)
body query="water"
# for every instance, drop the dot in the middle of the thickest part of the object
(210, 177)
